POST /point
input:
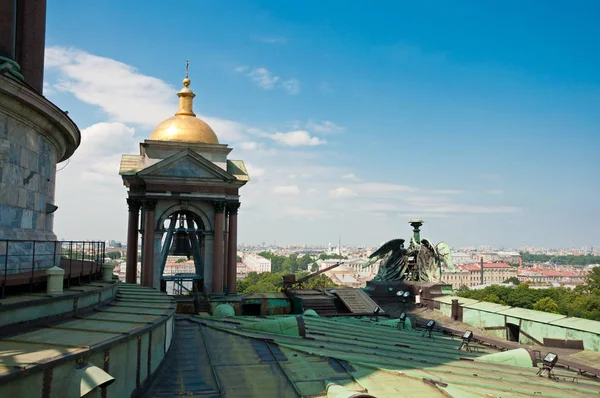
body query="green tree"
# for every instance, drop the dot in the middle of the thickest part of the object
(546, 304)
(513, 279)
(593, 280)
(113, 255)
(304, 262)
(492, 298)
(325, 256)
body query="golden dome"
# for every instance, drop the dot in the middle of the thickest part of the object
(185, 126)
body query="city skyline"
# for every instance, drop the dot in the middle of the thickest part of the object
(490, 144)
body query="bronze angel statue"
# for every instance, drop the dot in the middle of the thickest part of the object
(421, 261)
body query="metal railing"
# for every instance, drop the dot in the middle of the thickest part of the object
(23, 262)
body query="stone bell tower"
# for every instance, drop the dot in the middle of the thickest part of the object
(188, 194)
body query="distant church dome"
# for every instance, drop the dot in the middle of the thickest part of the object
(185, 126)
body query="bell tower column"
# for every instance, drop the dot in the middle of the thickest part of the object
(149, 206)
(132, 240)
(232, 246)
(217, 279)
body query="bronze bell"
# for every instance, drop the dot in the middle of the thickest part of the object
(181, 243)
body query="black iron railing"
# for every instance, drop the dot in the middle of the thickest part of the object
(23, 262)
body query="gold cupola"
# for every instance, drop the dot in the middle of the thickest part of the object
(185, 126)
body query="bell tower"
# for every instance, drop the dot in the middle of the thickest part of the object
(188, 193)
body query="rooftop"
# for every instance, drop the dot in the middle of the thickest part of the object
(316, 356)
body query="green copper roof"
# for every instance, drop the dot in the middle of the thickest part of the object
(361, 356)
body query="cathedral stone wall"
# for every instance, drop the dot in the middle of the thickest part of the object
(27, 183)
(28, 175)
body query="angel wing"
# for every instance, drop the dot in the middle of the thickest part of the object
(393, 245)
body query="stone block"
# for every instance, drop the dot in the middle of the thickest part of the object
(10, 216)
(4, 129)
(31, 200)
(23, 196)
(8, 195)
(14, 154)
(49, 189)
(27, 219)
(31, 140)
(40, 220)
(11, 175)
(4, 150)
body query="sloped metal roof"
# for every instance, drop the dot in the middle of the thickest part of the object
(356, 354)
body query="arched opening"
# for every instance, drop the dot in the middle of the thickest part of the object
(182, 248)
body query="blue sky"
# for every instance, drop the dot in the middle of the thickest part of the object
(480, 118)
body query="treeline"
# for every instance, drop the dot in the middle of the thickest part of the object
(581, 302)
(273, 282)
(292, 263)
(566, 260)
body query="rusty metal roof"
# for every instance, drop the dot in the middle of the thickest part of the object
(240, 357)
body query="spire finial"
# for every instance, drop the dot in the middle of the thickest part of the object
(187, 81)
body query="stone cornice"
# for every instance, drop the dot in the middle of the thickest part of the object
(29, 107)
(180, 146)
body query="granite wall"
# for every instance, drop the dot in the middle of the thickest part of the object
(27, 177)
(28, 174)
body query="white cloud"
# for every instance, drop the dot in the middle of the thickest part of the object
(297, 138)
(123, 93)
(325, 126)
(263, 78)
(267, 80)
(240, 69)
(249, 145)
(255, 172)
(286, 190)
(351, 177)
(292, 86)
(342, 192)
(98, 157)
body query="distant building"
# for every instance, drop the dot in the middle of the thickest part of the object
(470, 275)
(256, 263)
(550, 276)
(461, 258)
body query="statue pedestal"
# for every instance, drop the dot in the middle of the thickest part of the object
(385, 292)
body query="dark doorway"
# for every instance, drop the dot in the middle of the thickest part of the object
(512, 332)
(251, 309)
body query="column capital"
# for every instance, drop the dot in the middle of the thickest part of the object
(149, 204)
(233, 207)
(219, 206)
(134, 204)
